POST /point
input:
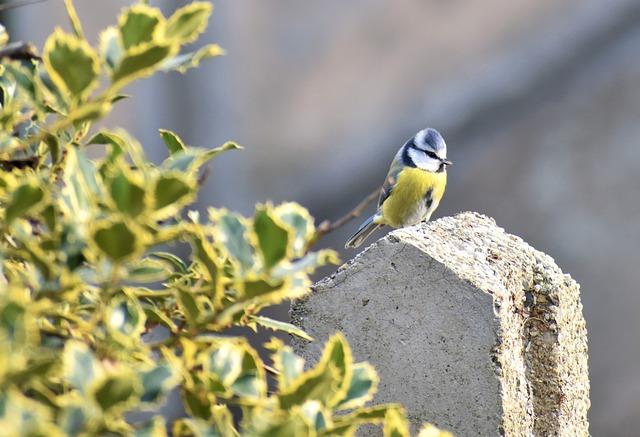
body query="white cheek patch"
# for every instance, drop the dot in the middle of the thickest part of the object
(422, 161)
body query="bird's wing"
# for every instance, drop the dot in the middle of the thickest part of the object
(391, 179)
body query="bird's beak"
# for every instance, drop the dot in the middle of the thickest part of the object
(446, 162)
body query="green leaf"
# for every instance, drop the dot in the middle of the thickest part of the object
(128, 195)
(197, 404)
(193, 158)
(306, 264)
(301, 221)
(80, 186)
(37, 368)
(173, 142)
(54, 147)
(88, 112)
(73, 419)
(24, 199)
(292, 424)
(429, 430)
(273, 237)
(327, 382)
(208, 259)
(16, 323)
(289, 365)
(125, 318)
(376, 414)
(252, 381)
(80, 368)
(172, 259)
(278, 325)
(157, 382)
(87, 171)
(115, 391)
(223, 421)
(116, 240)
(172, 191)
(231, 231)
(189, 306)
(188, 22)
(225, 361)
(111, 48)
(73, 18)
(316, 413)
(23, 77)
(120, 143)
(396, 424)
(183, 62)
(71, 63)
(211, 153)
(148, 270)
(156, 427)
(194, 427)
(247, 386)
(363, 386)
(156, 315)
(139, 24)
(141, 61)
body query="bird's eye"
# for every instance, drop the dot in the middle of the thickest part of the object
(430, 154)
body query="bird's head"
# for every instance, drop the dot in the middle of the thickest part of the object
(428, 151)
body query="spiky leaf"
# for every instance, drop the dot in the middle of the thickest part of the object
(273, 236)
(173, 142)
(277, 325)
(71, 63)
(115, 391)
(127, 193)
(172, 191)
(183, 62)
(141, 61)
(117, 240)
(80, 367)
(188, 22)
(138, 24)
(25, 198)
(363, 386)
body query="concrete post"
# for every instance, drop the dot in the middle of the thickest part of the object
(469, 327)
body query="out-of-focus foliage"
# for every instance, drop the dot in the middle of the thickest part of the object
(84, 278)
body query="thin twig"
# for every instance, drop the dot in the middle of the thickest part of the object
(202, 178)
(10, 164)
(18, 3)
(19, 51)
(327, 226)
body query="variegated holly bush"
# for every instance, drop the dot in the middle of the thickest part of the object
(98, 319)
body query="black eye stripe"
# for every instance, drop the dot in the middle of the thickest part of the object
(429, 153)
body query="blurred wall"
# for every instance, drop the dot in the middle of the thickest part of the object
(538, 101)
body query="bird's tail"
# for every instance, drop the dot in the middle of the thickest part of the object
(363, 232)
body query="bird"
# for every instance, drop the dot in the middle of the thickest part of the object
(413, 187)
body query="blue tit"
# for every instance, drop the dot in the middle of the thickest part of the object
(413, 187)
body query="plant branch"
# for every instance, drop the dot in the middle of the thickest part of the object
(10, 164)
(327, 226)
(19, 51)
(18, 3)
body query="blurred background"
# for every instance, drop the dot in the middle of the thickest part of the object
(539, 102)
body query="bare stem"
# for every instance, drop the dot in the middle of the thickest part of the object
(19, 51)
(327, 226)
(18, 3)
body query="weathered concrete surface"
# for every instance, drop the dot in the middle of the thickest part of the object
(469, 327)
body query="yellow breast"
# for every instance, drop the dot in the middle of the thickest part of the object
(407, 203)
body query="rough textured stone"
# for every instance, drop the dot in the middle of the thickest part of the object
(468, 326)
